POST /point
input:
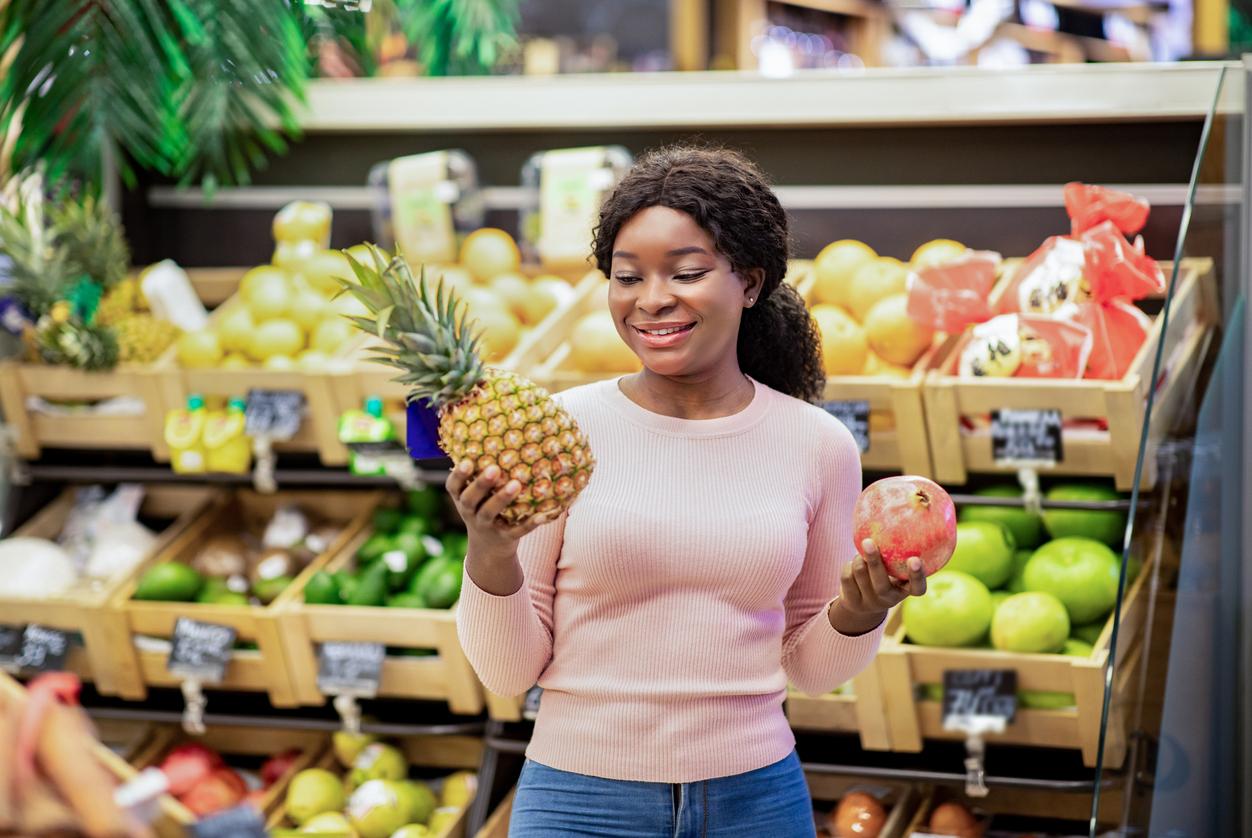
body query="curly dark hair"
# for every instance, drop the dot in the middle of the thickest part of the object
(729, 197)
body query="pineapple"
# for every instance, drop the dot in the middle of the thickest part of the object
(62, 339)
(487, 416)
(142, 338)
(122, 301)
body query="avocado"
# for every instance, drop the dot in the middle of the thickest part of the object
(267, 590)
(371, 590)
(373, 548)
(415, 525)
(387, 519)
(346, 581)
(444, 588)
(455, 544)
(407, 600)
(222, 596)
(425, 573)
(425, 503)
(322, 589)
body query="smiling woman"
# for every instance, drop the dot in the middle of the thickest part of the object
(709, 562)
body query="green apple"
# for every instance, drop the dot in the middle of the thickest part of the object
(1106, 526)
(413, 830)
(312, 792)
(1026, 527)
(998, 597)
(420, 802)
(931, 692)
(1030, 622)
(375, 810)
(377, 761)
(1049, 699)
(985, 551)
(329, 823)
(1088, 632)
(1080, 572)
(955, 611)
(1017, 581)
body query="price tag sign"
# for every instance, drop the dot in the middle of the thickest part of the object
(240, 822)
(10, 646)
(274, 413)
(43, 649)
(1026, 437)
(855, 417)
(350, 668)
(200, 651)
(972, 693)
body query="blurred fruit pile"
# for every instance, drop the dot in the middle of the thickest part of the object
(860, 303)
(205, 782)
(1021, 582)
(378, 795)
(242, 567)
(954, 818)
(859, 814)
(410, 560)
(287, 315)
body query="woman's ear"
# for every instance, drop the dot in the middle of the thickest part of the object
(753, 281)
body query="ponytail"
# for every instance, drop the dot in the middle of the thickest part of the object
(779, 344)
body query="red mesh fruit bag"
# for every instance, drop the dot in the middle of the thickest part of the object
(1118, 331)
(1025, 346)
(951, 296)
(1088, 206)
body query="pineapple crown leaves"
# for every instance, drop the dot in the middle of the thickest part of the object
(92, 237)
(423, 329)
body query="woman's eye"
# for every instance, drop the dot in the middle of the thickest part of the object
(690, 276)
(626, 279)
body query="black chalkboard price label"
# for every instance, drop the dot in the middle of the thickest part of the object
(350, 668)
(1026, 437)
(10, 646)
(33, 648)
(979, 692)
(240, 822)
(855, 417)
(276, 414)
(200, 651)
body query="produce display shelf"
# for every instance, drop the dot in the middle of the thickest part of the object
(87, 612)
(283, 722)
(265, 669)
(905, 668)
(1119, 405)
(445, 676)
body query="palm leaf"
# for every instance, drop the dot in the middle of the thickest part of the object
(459, 37)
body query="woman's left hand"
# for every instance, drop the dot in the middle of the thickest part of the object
(867, 592)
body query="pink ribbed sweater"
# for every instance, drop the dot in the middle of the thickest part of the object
(664, 614)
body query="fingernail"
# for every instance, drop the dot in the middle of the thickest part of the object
(491, 473)
(915, 564)
(465, 467)
(867, 546)
(512, 487)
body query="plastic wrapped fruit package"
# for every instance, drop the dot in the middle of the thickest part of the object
(950, 296)
(1089, 206)
(1025, 346)
(1118, 330)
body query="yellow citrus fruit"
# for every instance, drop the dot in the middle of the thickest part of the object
(308, 308)
(499, 329)
(267, 294)
(875, 365)
(331, 335)
(543, 295)
(303, 220)
(511, 289)
(234, 328)
(873, 281)
(276, 337)
(281, 363)
(490, 252)
(895, 336)
(843, 340)
(346, 305)
(291, 256)
(235, 361)
(258, 276)
(323, 270)
(361, 253)
(936, 253)
(199, 349)
(833, 269)
(595, 345)
(311, 360)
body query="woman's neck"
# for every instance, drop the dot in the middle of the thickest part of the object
(709, 396)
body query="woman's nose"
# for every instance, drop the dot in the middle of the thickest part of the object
(654, 296)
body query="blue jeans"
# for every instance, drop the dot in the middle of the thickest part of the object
(770, 801)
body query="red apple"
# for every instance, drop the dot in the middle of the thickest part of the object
(906, 516)
(220, 790)
(188, 764)
(276, 766)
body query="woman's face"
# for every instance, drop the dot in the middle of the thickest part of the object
(675, 299)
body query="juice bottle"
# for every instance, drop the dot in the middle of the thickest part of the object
(227, 449)
(369, 435)
(183, 431)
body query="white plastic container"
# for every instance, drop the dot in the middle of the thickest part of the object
(565, 188)
(172, 297)
(425, 203)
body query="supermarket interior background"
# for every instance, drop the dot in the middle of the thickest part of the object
(1021, 226)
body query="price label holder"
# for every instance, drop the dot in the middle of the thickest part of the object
(1026, 438)
(271, 416)
(387, 458)
(199, 655)
(978, 702)
(855, 417)
(349, 671)
(10, 646)
(34, 648)
(240, 822)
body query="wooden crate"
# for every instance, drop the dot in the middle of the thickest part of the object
(447, 676)
(1121, 404)
(1019, 802)
(263, 670)
(905, 667)
(105, 656)
(241, 747)
(145, 432)
(416, 749)
(497, 825)
(860, 710)
(897, 421)
(898, 797)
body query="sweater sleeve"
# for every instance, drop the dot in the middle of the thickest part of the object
(508, 639)
(816, 657)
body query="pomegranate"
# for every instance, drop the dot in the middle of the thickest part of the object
(276, 766)
(906, 516)
(188, 764)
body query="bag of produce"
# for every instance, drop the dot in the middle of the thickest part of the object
(1089, 206)
(1025, 346)
(1118, 331)
(950, 296)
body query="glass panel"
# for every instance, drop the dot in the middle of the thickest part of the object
(1170, 683)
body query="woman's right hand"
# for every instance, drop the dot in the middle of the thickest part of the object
(480, 501)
